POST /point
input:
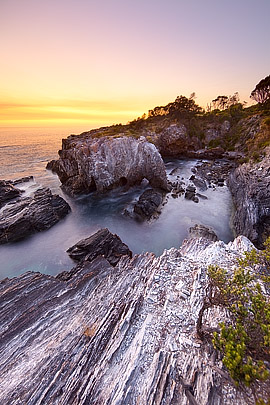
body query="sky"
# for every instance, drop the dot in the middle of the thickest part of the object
(102, 62)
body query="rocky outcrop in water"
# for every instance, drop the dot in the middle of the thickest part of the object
(250, 188)
(202, 231)
(116, 335)
(148, 204)
(101, 243)
(88, 164)
(7, 192)
(31, 214)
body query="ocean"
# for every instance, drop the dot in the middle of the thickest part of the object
(26, 151)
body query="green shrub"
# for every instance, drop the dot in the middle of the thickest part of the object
(244, 339)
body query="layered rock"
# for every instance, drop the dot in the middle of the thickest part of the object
(8, 192)
(250, 188)
(31, 214)
(88, 163)
(101, 243)
(122, 335)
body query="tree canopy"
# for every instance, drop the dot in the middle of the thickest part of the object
(261, 93)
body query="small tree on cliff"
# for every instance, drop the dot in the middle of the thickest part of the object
(261, 93)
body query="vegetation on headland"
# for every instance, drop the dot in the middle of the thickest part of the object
(243, 340)
(249, 127)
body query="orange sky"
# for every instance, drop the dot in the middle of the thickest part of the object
(99, 62)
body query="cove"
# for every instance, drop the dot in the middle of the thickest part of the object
(46, 251)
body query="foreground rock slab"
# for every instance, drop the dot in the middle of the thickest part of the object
(115, 335)
(31, 214)
(88, 164)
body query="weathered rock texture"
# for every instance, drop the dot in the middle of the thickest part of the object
(87, 164)
(148, 204)
(101, 243)
(7, 192)
(122, 335)
(250, 188)
(31, 214)
(202, 231)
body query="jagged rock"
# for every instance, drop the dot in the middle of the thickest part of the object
(148, 204)
(8, 192)
(202, 231)
(175, 141)
(104, 243)
(250, 188)
(31, 214)
(122, 335)
(22, 180)
(87, 164)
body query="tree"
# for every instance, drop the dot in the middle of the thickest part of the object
(261, 93)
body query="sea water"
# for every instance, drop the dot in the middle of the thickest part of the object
(26, 151)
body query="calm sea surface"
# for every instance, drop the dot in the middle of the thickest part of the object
(26, 151)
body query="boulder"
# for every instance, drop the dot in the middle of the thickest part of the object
(101, 243)
(31, 214)
(202, 231)
(148, 204)
(190, 193)
(250, 188)
(8, 192)
(87, 164)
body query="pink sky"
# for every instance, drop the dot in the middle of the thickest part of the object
(98, 62)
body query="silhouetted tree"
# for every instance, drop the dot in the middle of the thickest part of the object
(261, 93)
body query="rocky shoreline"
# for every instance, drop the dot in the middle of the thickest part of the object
(122, 334)
(120, 328)
(23, 216)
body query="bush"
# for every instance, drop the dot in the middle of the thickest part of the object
(244, 339)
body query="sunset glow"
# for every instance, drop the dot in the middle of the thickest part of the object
(102, 62)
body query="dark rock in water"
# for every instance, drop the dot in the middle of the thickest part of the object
(88, 164)
(148, 204)
(22, 180)
(190, 193)
(202, 231)
(250, 188)
(199, 183)
(203, 197)
(31, 214)
(8, 192)
(102, 243)
(116, 335)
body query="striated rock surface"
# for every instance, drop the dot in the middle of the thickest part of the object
(31, 214)
(122, 335)
(101, 243)
(250, 188)
(87, 164)
(7, 192)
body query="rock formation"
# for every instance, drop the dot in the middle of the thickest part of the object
(250, 188)
(148, 204)
(31, 214)
(8, 192)
(202, 231)
(87, 164)
(115, 335)
(101, 243)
